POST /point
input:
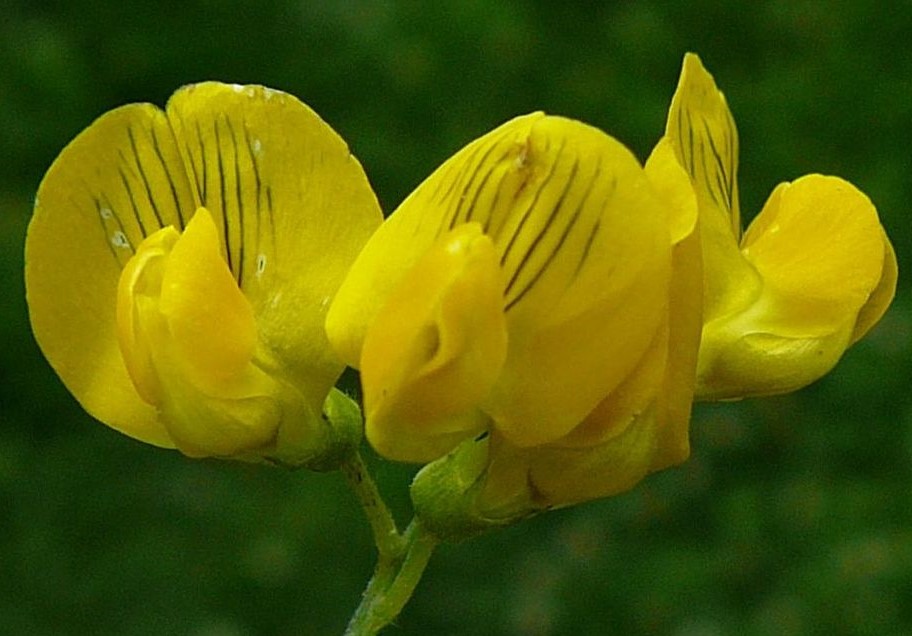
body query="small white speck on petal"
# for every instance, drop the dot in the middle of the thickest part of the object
(260, 264)
(257, 147)
(237, 88)
(119, 239)
(106, 213)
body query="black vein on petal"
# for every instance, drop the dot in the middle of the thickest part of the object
(598, 220)
(220, 162)
(470, 208)
(526, 213)
(202, 185)
(257, 186)
(721, 177)
(126, 184)
(238, 193)
(145, 179)
(164, 164)
(549, 223)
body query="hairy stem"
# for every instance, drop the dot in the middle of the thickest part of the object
(393, 583)
(390, 543)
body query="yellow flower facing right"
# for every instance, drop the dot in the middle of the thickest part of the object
(811, 275)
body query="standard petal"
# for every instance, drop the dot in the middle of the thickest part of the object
(584, 245)
(586, 254)
(702, 132)
(480, 183)
(434, 350)
(117, 182)
(292, 206)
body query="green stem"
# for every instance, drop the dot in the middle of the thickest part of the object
(393, 583)
(390, 544)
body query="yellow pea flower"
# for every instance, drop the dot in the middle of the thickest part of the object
(518, 305)
(812, 274)
(179, 265)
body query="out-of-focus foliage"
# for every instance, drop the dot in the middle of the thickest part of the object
(793, 516)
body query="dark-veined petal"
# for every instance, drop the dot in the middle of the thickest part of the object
(480, 183)
(643, 426)
(584, 246)
(292, 204)
(587, 257)
(117, 182)
(702, 131)
(291, 208)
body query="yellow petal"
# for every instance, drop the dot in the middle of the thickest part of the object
(118, 181)
(211, 322)
(587, 257)
(672, 183)
(685, 314)
(702, 131)
(188, 337)
(675, 397)
(140, 285)
(881, 297)
(820, 250)
(479, 183)
(282, 188)
(434, 350)
(640, 428)
(584, 245)
(818, 245)
(292, 205)
(563, 476)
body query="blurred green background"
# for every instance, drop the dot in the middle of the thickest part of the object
(794, 515)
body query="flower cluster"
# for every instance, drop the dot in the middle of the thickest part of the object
(533, 322)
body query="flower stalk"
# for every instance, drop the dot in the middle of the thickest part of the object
(390, 543)
(393, 582)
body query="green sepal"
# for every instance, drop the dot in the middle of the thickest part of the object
(447, 495)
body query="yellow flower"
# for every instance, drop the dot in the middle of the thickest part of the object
(812, 274)
(179, 264)
(518, 305)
